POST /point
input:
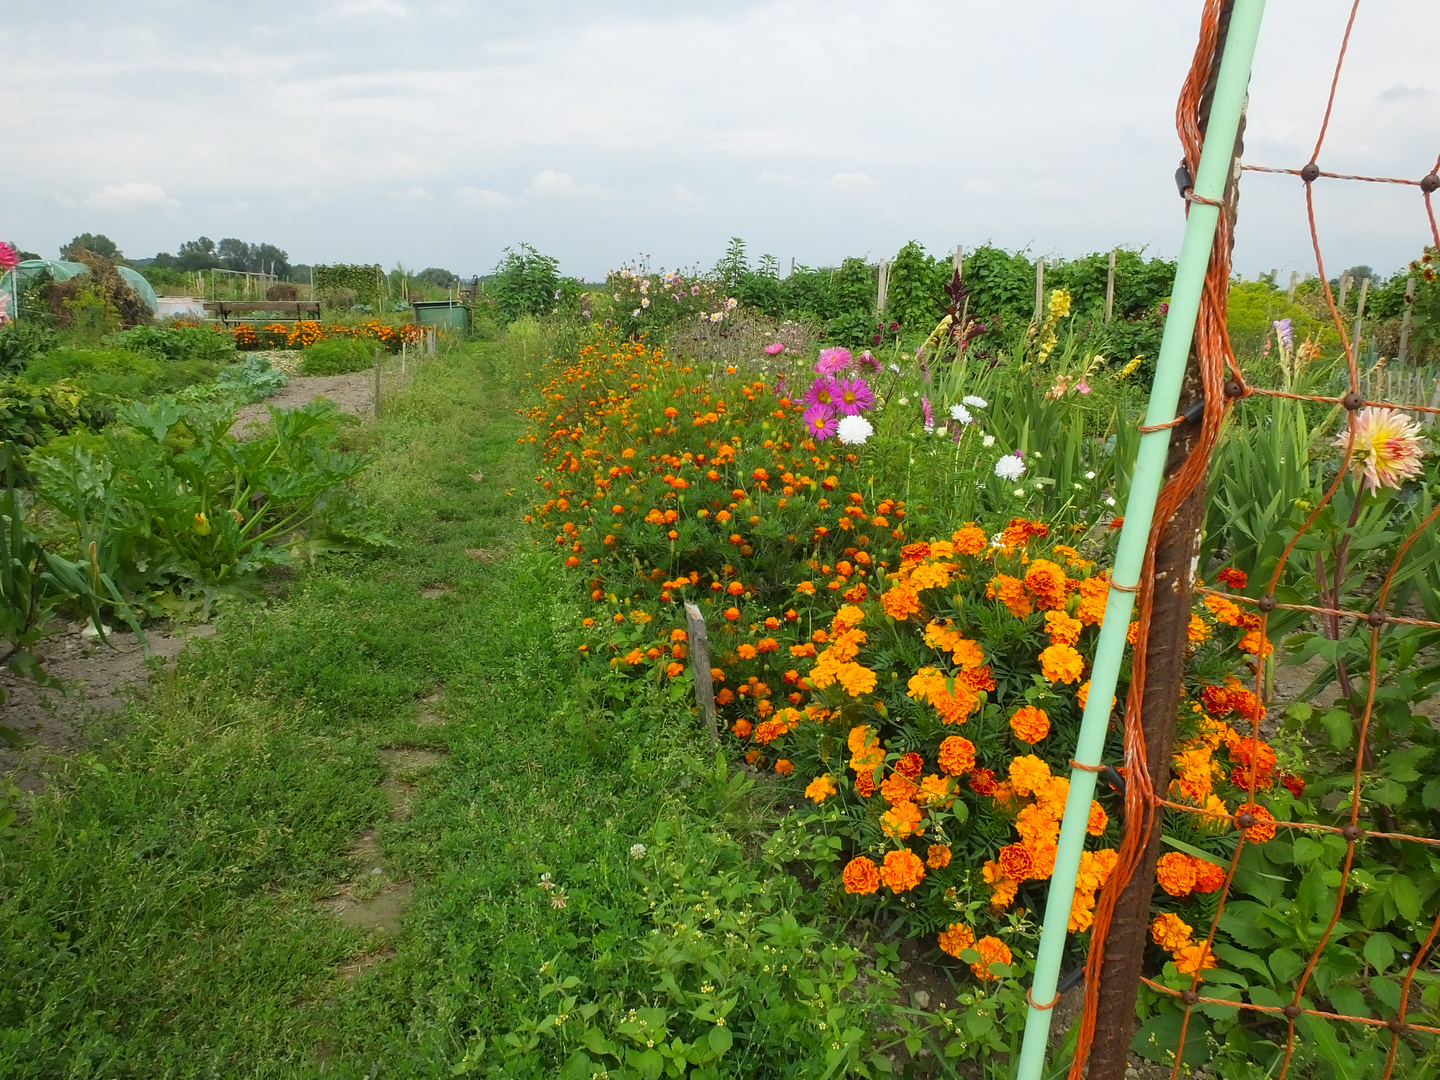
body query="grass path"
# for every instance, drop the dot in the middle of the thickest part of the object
(161, 914)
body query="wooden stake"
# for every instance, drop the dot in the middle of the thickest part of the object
(959, 260)
(1345, 280)
(1405, 320)
(1294, 280)
(700, 665)
(1360, 315)
(883, 287)
(1110, 289)
(1039, 289)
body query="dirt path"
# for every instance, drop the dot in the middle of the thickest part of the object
(353, 394)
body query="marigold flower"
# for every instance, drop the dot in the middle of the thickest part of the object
(1193, 959)
(982, 781)
(1061, 663)
(861, 876)
(858, 738)
(820, 789)
(956, 938)
(1208, 877)
(957, 756)
(1175, 873)
(1256, 644)
(1063, 630)
(1017, 862)
(902, 870)
(1029, 774)
(900, 821)
(1011, 592)
(1030, 724)
(898, 788)
(937, 856)
(865, 784)
(1098, 819)
(1170, 932)
(732, 613)
(784, 767)
(1002, 888)
(1225, 611)
(992, 951)
(856, 680)
(1047, 581)
(970, 541)
(1228, 575)
(900, 602)
(1094, 594)
(1264, 827)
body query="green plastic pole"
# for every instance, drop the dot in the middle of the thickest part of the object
(1215, 164)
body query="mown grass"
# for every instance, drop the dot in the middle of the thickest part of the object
(158, 912)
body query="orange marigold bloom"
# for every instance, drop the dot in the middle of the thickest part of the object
(1236, 579)
(1198, 631)
(1175, 872)
(1098, 819)
(1002, 888)
(992, 951)
(957, 755)
(898, 788)
(865, 784)
(900, 602)
(1029, 774)
(937, 856)
(1264, 827)
(935, 791)
(742, 728)
(784, 767)
(732, 613)
(956, 938)
(902, 871)
(855, 679)
(1030, 724)
(1257, 645)
(861, 876)
(1094, 592)
(930, 576)
(820, 789)
(858, 738)
(970, 541)
(900, 821)
(1224, 610)
(910, 765)
(867, 758)
(1170, 932)
(745, 651)
(1061, 663)
(1010, 591)
(1017, 862)
(1047, 581)
(1208, 876)
(1193, 959)
(1063, 630)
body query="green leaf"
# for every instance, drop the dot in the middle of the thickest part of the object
(1379, 953)
(1286, 964)
(1180, 845)
(1407, 898)
(721, 1040)
(1339, 725)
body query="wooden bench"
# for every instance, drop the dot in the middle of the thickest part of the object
(229, 311)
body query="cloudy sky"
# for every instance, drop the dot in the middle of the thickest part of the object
(436, 133)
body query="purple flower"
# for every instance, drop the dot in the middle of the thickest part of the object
(774, 348)
(853, 396)
(875, 340)
(869, 362)
(894, 326)
(820, 422)
(823, 391)
(832, 361)
(926, 412)
(1165, 307)
(1287, 335)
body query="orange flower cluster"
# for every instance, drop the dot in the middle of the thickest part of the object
(1172, 933)
(303, 333)
(1180, 874)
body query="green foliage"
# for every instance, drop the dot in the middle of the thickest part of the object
(179, 508)
(30, 415)
(253, 380)
(111, 374)
(90, 316)
(21, 343)
(96, 244)
(337, 356)
(915, 293)
(525, 282)
(343, 278)
(655, 304)
(171, 343)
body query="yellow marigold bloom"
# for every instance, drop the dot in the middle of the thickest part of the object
(935, 791)
(1047, 581)
(930, 576)
(902, 870)
(1029, 774)
(1094, 591)
(992, 951)
(1198, 631)
(900, 821)
(1170, 932)
(1011, 592)
(1387, 448)
(956, 938)
(1061, 663)
(858, 738)
(1030, 724)
(1193, 959)
(820, 789)
(855, 680)
(1225, 611)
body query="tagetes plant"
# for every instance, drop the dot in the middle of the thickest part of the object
(303, 333)
(923, 697)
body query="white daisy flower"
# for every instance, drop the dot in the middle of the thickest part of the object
(853, 430)
(1010, 468)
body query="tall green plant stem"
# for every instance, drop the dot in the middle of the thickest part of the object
(1200, 226)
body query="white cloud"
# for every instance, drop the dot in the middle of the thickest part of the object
(480, 198)
(134, 195)
(1402, 92)
(852, 181)
(306, 202)
(413, 199)
(685, 195)
(558, 185)
(361, 7)
(768, 177)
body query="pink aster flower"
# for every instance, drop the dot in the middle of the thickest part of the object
(823, 391)
(774, 349)
(869, 362)
(853, 396)
(820, 422)
(832, 361)
(1388, 448)
(8, 258)
(927, 413)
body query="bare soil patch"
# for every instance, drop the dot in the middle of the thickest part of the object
(352, 394)
(98, 679)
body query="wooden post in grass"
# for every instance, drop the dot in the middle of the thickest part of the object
(1345, 280)
(959, 260)
(700, 665)
(882, 288)
(1039, 289)
(1404, 353)
(1110, 288)
(1360, 316)
(1294, 280)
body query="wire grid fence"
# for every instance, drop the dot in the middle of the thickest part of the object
(1225, 384)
